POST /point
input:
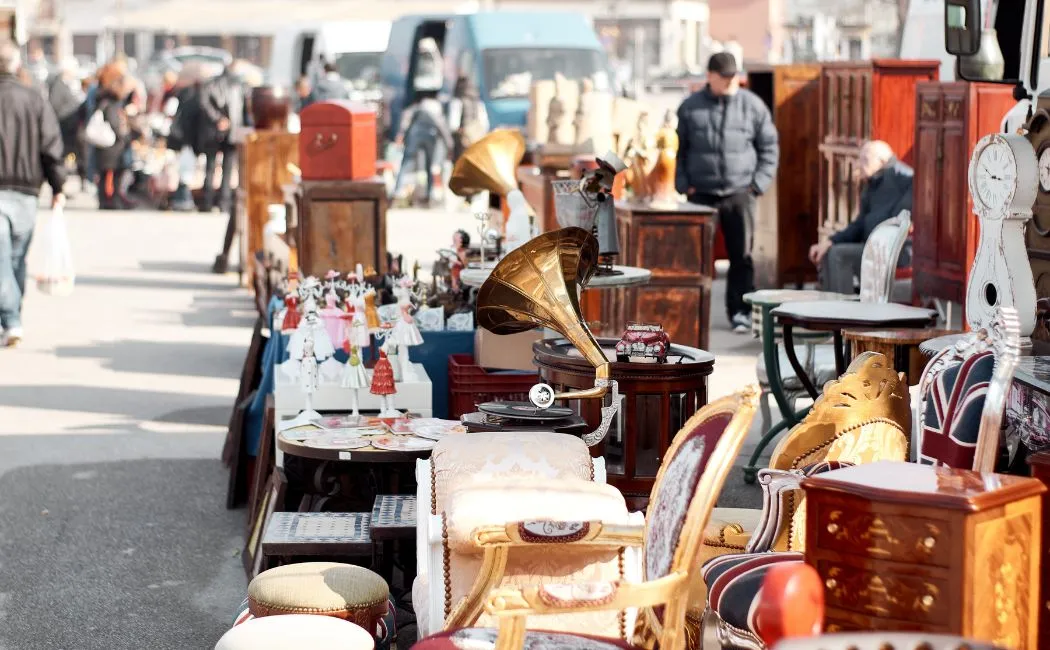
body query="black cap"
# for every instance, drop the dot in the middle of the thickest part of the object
(723, 64)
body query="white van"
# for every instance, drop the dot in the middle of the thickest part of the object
(355, 48)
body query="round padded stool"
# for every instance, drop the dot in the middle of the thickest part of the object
(296, 631)
(329, 589)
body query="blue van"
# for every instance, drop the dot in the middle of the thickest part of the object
(502, 52)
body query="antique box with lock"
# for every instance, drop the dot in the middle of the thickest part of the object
(337, 141)
(909, 547)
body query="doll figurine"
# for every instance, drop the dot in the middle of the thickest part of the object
(291, 313)
(383, 386)
(358, 335)
(406, 334)
(371, 313)
(332, 317)
(354, 376)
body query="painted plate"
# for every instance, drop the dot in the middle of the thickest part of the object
(437, 432)
(403, 443)
(330, 440)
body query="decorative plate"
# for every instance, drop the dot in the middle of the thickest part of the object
(331, 440)
(437, 432)
(403, 443)
(298, 434)
(340, 421)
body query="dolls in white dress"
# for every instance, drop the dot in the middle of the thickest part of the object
(354, 377)
(405, 334)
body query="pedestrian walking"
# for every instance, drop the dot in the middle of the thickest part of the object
(424, 130)
(30, 153)
(222, 114)
(112, 160)
(728, 152)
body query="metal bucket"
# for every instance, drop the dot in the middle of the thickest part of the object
(572, 208)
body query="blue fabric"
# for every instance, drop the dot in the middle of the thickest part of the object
(275, 352)
(952, 418)
(433, 354)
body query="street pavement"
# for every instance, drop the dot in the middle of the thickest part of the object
(113, 528)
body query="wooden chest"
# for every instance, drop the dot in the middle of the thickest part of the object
(677, 246)
(1041, 470)
(337, 141)
(859, 101)
(786, 219)
(909, 547)
(341, 223)
(952, 117)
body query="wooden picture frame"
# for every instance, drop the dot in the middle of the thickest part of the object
(264, 462)
(251, 556)
(234, 455)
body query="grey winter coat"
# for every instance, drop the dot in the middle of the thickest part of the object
(725, 144)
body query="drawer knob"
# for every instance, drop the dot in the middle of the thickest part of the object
(833, 528)
(929, 543)
(927, 600)
(831, 583)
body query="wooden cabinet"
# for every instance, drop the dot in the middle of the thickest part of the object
(951, 118)
(786, 220)
(264, 158)
(859, 101)
(1041, 470)
(903, 546)
(676, 245)
(341, 223)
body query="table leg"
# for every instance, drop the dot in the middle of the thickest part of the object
(769, 351)
(840, 355)
(902, 361)
(800, 372)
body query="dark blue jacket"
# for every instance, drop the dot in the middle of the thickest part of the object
(887, 193)
(725, 144)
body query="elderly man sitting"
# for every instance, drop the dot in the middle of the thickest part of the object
(889, 190)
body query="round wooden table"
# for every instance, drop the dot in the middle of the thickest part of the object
(835, 316)
(899, 345)
(657, 400)
(362, 455)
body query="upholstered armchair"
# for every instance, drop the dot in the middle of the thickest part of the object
(963, 394)
(445, 576)
(687, 486)
(863, 417)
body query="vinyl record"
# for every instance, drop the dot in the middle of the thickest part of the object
(524, 411)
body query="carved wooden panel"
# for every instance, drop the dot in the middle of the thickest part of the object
(672, 251)
(341, 223)
(263, 170)
(678, 309)
(1041, 470)
(839, 620)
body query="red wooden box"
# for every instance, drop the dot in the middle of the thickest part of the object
(337, 141)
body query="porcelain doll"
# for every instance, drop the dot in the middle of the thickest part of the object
(310, 352)
(383, 386)
(291, 313)
(371, 313)
(406, 334)
(393, 353)
(354, 377)
(332, 317)
(359, 334)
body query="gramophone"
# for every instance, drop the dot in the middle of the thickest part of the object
(536, 285)
(489, 165)
(588, 204)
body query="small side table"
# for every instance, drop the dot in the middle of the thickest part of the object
(393, 524)
(902, 346)
(834, 316)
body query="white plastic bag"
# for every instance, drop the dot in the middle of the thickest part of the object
(58, 276)
(98, 132)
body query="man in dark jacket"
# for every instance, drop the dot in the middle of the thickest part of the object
(727, 156)
(30, 152)
(222, 113)
(330, 85)
(889, 190)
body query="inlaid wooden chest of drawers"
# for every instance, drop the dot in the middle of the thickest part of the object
(909, 547)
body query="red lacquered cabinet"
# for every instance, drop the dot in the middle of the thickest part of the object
(859, 101)
(952, 117)
(337, 142)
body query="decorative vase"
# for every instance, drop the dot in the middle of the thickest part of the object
(988, 64)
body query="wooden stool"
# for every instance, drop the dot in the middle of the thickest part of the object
(901, 345)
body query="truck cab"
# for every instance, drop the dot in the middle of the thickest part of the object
(502, 53)
(355, 48)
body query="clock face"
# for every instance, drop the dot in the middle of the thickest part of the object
(1044, 170)
(995, 176)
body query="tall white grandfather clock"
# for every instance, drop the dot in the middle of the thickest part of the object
(1004, 180)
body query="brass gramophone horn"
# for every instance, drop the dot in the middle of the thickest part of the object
(489, 165)
(536, 285)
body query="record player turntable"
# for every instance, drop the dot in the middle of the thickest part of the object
(523, 416)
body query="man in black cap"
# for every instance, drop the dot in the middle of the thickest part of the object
(727, 156)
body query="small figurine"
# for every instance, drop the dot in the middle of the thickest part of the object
(354, 377)
(371, 313)
(310, 353)
(291, 313)
(643, 343)
(357, 329)
(406, 334)
(661, 178)
(332, 316)
(383, 386)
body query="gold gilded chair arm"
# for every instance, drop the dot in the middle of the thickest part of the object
(541, 532)
(538, 600)
(774, 482)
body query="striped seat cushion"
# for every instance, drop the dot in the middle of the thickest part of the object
(734, 582)
(953, 410)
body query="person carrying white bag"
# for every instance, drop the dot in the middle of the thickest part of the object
(30, 153)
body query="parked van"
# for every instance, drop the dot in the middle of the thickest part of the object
(356, 48)
(502, 52)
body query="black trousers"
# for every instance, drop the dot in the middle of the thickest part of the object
(736, 219)
(229, 158)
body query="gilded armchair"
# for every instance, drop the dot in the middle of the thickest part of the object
(863, 417)
(686, 488)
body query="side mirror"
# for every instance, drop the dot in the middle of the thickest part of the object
(962, 27)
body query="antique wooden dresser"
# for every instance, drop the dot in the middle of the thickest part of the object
(786, 220)
(1040, 463)
(1037, 231)
(677, 245)
(952, 117)
(909, 547)
(863, 100)
(341, 223)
